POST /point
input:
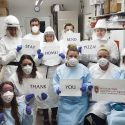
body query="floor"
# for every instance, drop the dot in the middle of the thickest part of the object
(39, 119)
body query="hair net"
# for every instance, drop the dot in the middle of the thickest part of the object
(49, 30)
(101, 24)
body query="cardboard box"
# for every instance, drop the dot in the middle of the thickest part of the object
(3, 4)
(3, 12)
(114, 6)
(107, 7)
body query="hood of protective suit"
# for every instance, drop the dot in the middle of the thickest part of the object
(49, 30)
(12, 21)
(101, 24)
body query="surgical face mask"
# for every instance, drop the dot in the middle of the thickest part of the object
(35, 29)
(72, 62)
(69, 31)
(27, 69)
(103, 62)
(7, 96)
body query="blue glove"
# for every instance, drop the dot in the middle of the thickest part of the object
(58, 91)
(40, 55)
(38, 51)
(83, 88)
(28, 109)
(90, 87)
(29, 97)
(19, 48)
(79, 49)
(2, 119)
(62, 55)
(117, 107)
(44, 96)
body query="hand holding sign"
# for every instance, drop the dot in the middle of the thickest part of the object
(58, 91)
(62, 55)
(29, 98)
(44, 96)
(19, 48)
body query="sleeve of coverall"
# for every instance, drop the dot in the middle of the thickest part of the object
(5, 57)
(56, 80)
(26, 119)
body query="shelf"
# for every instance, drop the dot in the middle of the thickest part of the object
(108, 15)
(115, 28)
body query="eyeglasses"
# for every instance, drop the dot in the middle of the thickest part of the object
(25, 64)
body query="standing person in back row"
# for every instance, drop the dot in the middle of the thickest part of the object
(101, 37)
(35, 31)
(10, 46)
(48, 67)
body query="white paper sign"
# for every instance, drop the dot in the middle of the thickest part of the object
(30, 47)
(108, 90)
(70, 38)
(89, 47)
(51, 54)
(37, 86)
(70, 87)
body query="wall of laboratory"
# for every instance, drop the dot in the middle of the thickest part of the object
(25, 9)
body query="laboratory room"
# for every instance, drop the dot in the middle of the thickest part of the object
(62, 62)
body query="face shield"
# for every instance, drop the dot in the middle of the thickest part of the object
(12, 23)
(50, 35)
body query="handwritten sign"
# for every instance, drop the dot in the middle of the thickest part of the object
(70, 87)
(89, 47)
(37, 86)
(108, 90)
(51, 54)
(70, 38)
(30, 47)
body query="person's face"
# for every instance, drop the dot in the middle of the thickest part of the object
(6, 88)
(72, 54)
(26, 62)
(69, 28)
(35, 23)
(12, 31)
(49, 38)
(103, 54)
(100, 32)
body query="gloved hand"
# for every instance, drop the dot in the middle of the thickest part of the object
(83, 88)
(2, 119)
(62, 55)
(28, 109)
(90, 87)
(58, 91)
(44, 96)
(38, 51)
(117, 107)
(29, 97)
(19, 48)
(79, 49)
(40, 55)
